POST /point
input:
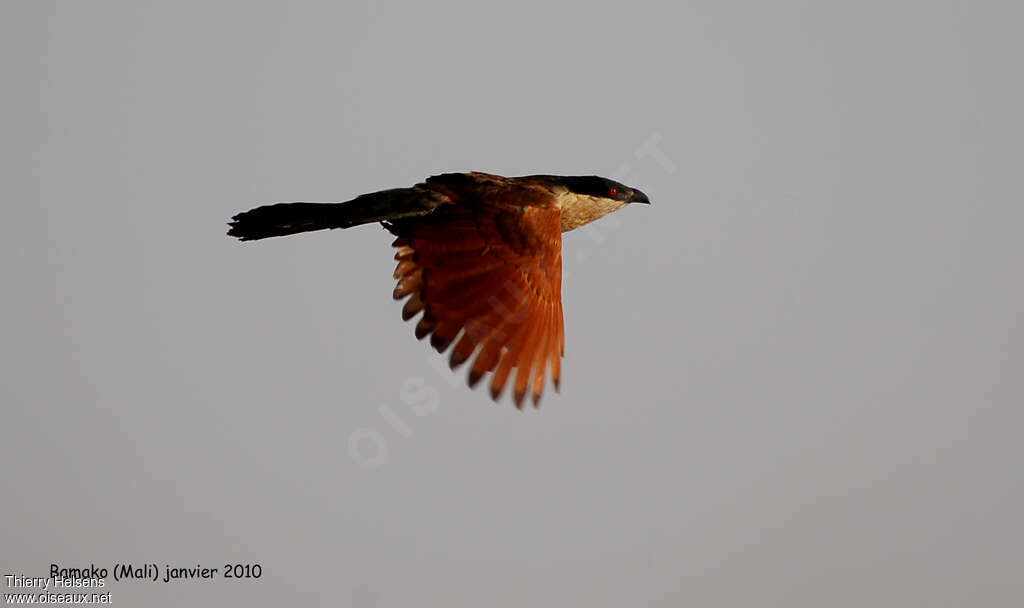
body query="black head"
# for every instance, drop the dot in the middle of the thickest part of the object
(602, 187)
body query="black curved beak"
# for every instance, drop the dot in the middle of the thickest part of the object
(639, 197)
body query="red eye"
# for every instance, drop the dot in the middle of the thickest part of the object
(613, 191)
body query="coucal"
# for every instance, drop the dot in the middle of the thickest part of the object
(479, 255)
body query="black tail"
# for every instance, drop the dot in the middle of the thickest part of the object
(291, 218)
(285, 218)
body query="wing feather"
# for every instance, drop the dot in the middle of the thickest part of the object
(542, 356)
(529, 354)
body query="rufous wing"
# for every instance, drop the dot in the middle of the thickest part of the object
(488, 280)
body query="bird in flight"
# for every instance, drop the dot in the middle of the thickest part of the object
(480, 255)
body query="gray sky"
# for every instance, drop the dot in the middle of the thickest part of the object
(794, 380)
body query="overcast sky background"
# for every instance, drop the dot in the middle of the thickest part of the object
(794, 380)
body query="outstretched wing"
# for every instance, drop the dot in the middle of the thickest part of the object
(488, 279)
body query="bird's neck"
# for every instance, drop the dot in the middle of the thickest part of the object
(580, 209)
